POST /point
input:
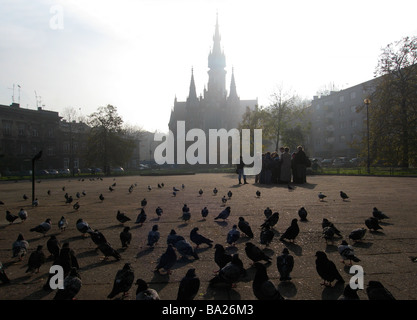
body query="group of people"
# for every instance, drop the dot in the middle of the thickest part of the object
(281, 167)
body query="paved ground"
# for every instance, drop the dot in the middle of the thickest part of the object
(385, 255)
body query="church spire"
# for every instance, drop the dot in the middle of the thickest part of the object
(233, 93)
(192, 95)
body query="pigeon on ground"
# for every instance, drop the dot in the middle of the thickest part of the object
(233, 235)
(20, 247)
(159, 186)
(200, 192)
(69, 200)
(173, 237)
(344, 196)
(83, 227)
(321, 196)
(199, 239)
(159, 212)
(108, 251)
(25, 197)
(215, 191)
(221, 258)
(53, 246)
(97, 237)
(266, 236)
(23, 215)
(143, 292)
(144, 202)
(141, 218)
(271, 221)
(290, 188)
(326, 223)
(1, 202)
(121, 217)
(376, 291)
(43, 228)
(258, 193)
(379, 214)
(101, 197)
(186, 214)
(327, 269)
(153, 236)
(255, 254)
(78, 195)
(349, 294)
(123, 281)
(36, 260)
(149, 188)
(10, 217)
(62, 223)
(231, 273)
(292, 231)
(224, 214)
(229, 194)
(357, 234)
(204, 213)
(76, 206)
(130, 190)
(72, 285)
(262, 287)
(328, 234)
(189, 286)
(245, 227)
(302, 213)
(267, 212)
(35, 202)
(185, 249)
(175, 189)
(285, 264)
(373, 224)
(167, 260)
(224, 200)
(347, 253)
(125, 237)
(3, 276)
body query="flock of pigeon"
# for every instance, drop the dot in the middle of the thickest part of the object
(230, 266)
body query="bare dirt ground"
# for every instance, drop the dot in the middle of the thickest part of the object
(385, 255)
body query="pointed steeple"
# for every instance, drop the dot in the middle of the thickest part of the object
(233, 93)
(192, 95)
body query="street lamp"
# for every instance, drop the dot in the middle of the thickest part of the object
(367, 103)
(35, 158)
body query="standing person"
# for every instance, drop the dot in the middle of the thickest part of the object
(285, 172)
(301, 162)
(239, 170)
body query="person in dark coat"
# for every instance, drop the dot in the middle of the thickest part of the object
(300, 164)
(239, 171)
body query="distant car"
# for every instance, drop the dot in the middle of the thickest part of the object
(340, 162)
(326, 162)
(53, 171)
(42, 172)
(64, 171)
(117, 169)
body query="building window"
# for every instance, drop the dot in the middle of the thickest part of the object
(21, 130)
(66, 163)
(76, 163)
(35, 132)
(50, 132)
(7, 128)
(341, 98)
(65, 147)
(50, 151)
(353, 95)
(353, 109)
(353, 123)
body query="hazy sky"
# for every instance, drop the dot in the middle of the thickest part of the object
(137, 55)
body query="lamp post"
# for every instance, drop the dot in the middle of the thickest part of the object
(367, 103)
(35, 158)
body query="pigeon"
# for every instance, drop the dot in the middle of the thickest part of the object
(245, 227)
(108, 251)
(379, 214)
(215, 191)
(62, 223)
(144, 202)
(321, 196)
(36, 260)
(292, 231)
(200, 192)
(53, 246)
(25, 197)
(141, 218)
(326, 223)
(224, 214)
(186, 214)
(83, 227)
(372, 224)
(101, 197)
(266, 236)
(43, 228)
(173, 237)
(230, 273)
(23, 215)
(69, 199)
(72, 285)
(185, 249)
(376, 291)
(344, 196)
(159, 186)
(199, 239)
(10, 217)
(189, 286)
(97, 237)
(3, 276)
(153, 236)
(78, 195)
(302, 213)
(1, 202)
(271, 221)
(174, 194)
(327, 269)
(233, 235)
(224, 200)
(285, 264)
(123, 281)
(349, 294)
(35, 202)
(167, 260)
(258, 193)
(67, 258)
(262, 287)
(290, 188)
(204, 213)
(254, 253)
(229, 194)
(347, 253)
(76, 206)
(121, 217)
(125, 237)
(221, 258)
(357, 234)
(175, 189)
(149, 188)
(159, 212)
(143, 292)
(20, 247)
(130, 190)
(328, 234)
(267, 212)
